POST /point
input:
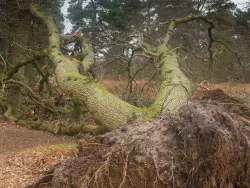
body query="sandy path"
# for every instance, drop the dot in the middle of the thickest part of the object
(14, 138)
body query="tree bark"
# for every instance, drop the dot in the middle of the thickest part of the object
(107, 109)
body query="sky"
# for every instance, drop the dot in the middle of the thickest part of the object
(241, 3)
(68, 26)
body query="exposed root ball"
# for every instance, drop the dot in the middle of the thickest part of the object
(201, 146)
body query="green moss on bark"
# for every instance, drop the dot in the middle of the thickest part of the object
(107, 109)
(62, 130)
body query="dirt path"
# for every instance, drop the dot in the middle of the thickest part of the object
(26, 155)
(14, 138)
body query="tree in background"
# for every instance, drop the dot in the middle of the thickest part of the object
(150, 18)
(242, 26)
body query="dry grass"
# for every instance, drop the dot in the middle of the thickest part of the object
(143, 92)
(149, 89)
(25, 168)
(238, 90)
(231, 88)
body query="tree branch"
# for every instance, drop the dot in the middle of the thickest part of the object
(38, 55)
(35, 98)
(89, 59)
(193, 54)
(2, 75)
(146, 47)
(21, 8)
(44, 77)
(187, 19)
(233, 52)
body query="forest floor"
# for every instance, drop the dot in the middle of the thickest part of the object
(25, 155)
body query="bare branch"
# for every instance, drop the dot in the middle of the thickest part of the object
(187, 19)
(194, 54)
(35, 98)
(146, 47)
(44, 77)
(2, 75)
(236, 54)
(28, 60)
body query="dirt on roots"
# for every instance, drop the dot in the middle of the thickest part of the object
(205, 144)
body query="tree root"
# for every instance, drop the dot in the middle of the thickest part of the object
(201, 146)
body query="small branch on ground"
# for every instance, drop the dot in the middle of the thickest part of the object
(37, 99)
(60, 128)
(37, 55)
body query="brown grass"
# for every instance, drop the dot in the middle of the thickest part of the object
(231, 88)
(149, 89)
(25, 168)
(143, 92)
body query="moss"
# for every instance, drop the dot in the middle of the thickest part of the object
(60, 146)
(62, 130)
(36, 125)
(77, 76)
(8, 114)
(151, 113)
(74, 130)
(108, 109)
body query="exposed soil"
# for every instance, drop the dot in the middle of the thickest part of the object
(28, 155)
(232, 105)
(206, 144)
(14, 138)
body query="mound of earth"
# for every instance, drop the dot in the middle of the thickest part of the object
(205, 144)
(232, 104)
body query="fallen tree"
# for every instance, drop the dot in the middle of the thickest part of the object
(203, 145)
(108, 110)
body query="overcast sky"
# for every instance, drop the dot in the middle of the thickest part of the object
(240, 4)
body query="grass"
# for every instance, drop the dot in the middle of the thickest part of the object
(59, 146)
(143, 92)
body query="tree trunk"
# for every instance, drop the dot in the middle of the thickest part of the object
(107, 109)
(14, 52)
(175, 86)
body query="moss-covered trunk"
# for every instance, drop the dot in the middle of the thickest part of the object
(175, 86)
(107, 109)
